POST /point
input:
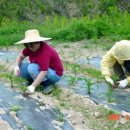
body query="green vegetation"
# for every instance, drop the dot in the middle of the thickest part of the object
(115, 27)
(56, 92)
(88, 83)
(59, 115)
(15, 108)
(87, 19)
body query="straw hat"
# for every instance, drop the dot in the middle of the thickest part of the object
(32, 36)
(121, 50)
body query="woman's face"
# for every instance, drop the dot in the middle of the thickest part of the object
(32, 46)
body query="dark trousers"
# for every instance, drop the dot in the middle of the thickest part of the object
(118, 70)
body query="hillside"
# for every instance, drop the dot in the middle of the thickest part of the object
(39, 9)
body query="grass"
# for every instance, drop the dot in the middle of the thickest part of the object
(102, 122)
(56, 92)
(97, 123)
(69, 29)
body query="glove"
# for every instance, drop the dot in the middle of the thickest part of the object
(30, 90)
(123, 83)
(109, 80)
(17, 71)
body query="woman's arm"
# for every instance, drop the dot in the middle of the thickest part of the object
(39, 78)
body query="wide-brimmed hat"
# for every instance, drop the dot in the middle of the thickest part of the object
(32, 36)
(121, 50)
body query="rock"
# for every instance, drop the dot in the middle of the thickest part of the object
(4, 125)
(97, 114)
(2, 111)
(123, 121)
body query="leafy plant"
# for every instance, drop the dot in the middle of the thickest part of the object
(56, 92)
(10, 77)
(28, 127)
(88, 83)
(23, 88)
(15, 108)
(72, 80)
(75, 68)
(109, 94)
(59, 115)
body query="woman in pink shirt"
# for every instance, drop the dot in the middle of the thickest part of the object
(45, 66)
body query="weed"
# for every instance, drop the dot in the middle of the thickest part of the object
(28, 127)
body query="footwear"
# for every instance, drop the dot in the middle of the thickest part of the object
(48, 89)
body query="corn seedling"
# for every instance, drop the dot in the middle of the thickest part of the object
(59, 115)
(28, 127)
(75, 68)
(10, 78)
(88, 83)
(23, 88)
(109, 94)
(15, 108)
(72, 80)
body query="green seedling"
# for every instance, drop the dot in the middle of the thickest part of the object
(88, 83)
(10, 77)
(28, 127)
(59, 115)
(109, 94)
(15, 108)
(56, 92)
(23, 88)
(75, 68)
(72, 80)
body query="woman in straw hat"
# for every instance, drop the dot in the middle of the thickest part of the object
(45, 66)
(118, 58)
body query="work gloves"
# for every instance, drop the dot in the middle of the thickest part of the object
(123, 83)
(30, 90)
(110, 80)
(17, 71)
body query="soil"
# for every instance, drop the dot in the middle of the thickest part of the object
(81, 112)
